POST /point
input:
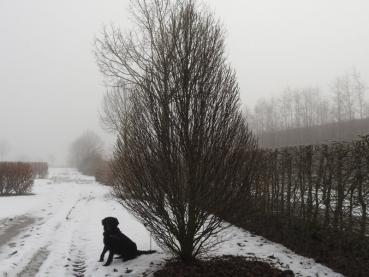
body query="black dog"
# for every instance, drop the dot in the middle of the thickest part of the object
(117, 243)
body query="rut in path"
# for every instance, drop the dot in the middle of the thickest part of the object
(79, 265)
(36, 262)
(77, 258)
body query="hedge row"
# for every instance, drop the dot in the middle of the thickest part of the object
(315, 200)
(18, 177)
(40, 169)
(323, 184)
(15, 178)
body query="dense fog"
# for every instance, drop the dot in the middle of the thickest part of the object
(51, 90)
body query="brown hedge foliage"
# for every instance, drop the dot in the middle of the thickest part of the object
(15, 178)
(40, 169)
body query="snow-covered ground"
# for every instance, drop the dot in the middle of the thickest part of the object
(57, 231)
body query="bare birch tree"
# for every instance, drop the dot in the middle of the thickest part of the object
(359, 89)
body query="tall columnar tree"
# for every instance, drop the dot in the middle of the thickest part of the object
(184, 151)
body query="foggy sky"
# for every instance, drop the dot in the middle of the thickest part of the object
(51, 90)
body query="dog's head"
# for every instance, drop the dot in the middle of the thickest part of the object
(110, 223)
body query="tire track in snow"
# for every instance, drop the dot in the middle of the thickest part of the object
(17, 232)
(74, 254)
(78, 264)
(77, 254)
(35, 263)
(17, 252)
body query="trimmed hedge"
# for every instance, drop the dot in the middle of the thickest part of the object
(15, 178)
(314, 199)
(40, 169)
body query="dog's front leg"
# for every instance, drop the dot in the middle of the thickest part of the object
(110, 258)
(103, 254)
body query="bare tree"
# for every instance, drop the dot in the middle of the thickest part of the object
(359, 89)
(306, 116)
(114, 106)
(297, 103)
(259, 117)
(323, 110)
(286, 107)
(348, 97)
(4, 148)
(344, 105)
(310, 99)
(184, 148)
(85, 153)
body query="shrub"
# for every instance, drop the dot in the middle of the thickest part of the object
(15, 178)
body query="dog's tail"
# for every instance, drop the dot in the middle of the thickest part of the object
(143, 252)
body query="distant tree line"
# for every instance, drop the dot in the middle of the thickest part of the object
(295, 116)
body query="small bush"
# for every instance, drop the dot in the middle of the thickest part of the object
(15, 178)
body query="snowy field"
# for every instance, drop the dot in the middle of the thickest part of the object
(57, 231)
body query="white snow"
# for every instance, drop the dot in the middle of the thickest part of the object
(57, 231)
